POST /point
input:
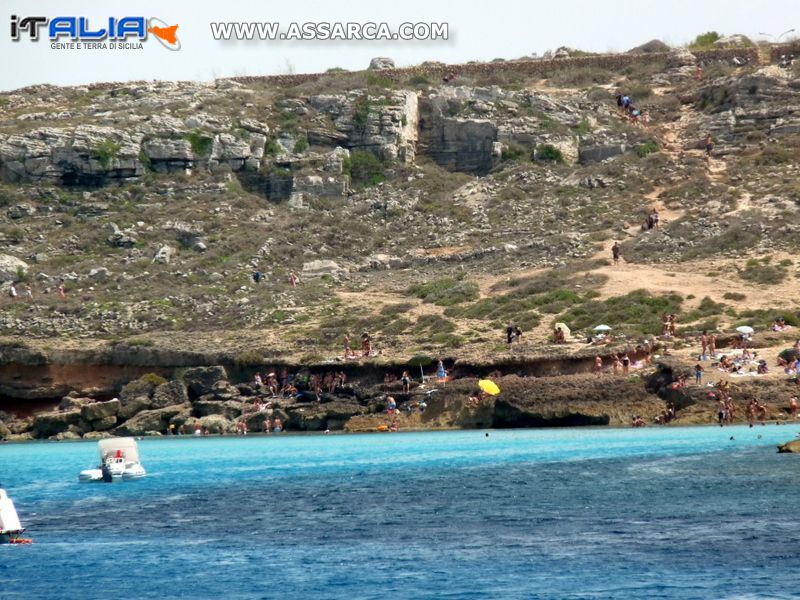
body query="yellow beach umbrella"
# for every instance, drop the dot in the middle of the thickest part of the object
(489, 386)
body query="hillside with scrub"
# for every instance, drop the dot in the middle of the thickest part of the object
(256, 221)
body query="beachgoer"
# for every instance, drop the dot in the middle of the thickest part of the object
(257, 276)
(405, 379)
(347, 351)
(698, 72)
(709, 144)
(598, 365)
(61, 290)
(712, 345)
(626, 362)
(391, 405)
(278, 425)
(366, 345)
(616, 366)
(12, 292)
(793, 407)
(698, 374)
(703, 345)
(28, 291)
(615, 253)
(441, 373)
(721, 413)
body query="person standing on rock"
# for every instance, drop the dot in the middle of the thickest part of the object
(616, 252)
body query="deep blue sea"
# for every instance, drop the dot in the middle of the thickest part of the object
(558, 513)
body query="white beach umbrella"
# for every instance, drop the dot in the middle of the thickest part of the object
(602, 328)
(745, 329)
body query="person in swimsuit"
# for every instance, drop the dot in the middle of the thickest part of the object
(598, 365)
(406, 381)
(626, 363)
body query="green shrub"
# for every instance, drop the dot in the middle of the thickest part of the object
(272, 147)
(735, 296)
(301, 145)
(145, 160)
(200, 142)
(513, 152)
(22, 274)
(713, 98)
(105, 152)
(775, 154)
(446, 291)
(705, 41)
(365, 169)
(380, 81)
(646, 148)
(765, 317)
(707, 308)
(548, 152)
(758, 271)
(582, 128)
(248, 358)
(418, 80)
(636, 312)
(336, 70)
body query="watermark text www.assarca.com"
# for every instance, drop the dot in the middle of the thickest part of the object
(273, 31)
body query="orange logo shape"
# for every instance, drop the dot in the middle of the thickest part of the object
(166, 35)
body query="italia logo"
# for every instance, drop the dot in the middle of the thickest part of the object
(112, 30)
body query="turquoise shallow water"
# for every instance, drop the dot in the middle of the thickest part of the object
(568, 513)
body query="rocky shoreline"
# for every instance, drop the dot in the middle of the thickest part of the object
(547, 391)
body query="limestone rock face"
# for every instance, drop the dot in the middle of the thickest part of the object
(681, 57)
(216, 424)
(229, 409)
(387, 125)
(100, 410)
(52, 423)
(150, 420)
(10, 267)
(201, 380)
(380, 62)
(169, 394)
(736, 40)
(169, 155)
(83, 155)
(316, 268)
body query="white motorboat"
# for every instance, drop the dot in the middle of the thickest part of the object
(10, 527)
(119, 461)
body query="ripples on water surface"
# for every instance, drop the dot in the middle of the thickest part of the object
(571, 513)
